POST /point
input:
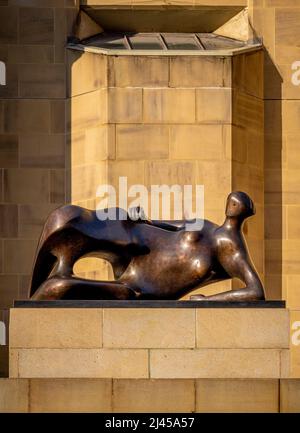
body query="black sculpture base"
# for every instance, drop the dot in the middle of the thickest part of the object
(147, 304)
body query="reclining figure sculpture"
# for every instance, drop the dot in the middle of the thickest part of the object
(150, 259)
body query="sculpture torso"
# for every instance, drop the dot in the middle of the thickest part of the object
(176, 261)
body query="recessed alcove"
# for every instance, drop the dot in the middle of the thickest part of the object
(184, 107)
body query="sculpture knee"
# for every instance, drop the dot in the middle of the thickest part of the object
(255, 291)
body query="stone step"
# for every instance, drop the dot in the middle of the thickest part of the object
(149, 395)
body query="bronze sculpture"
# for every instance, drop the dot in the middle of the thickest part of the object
(150, 259)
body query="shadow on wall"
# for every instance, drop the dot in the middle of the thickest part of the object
(273, 180)
(33, 134)
(154, 19)
(85, 143)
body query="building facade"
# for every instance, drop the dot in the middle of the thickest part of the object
(72, 119)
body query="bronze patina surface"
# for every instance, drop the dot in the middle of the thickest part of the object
(150, 259)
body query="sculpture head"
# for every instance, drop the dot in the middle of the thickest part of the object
(239, 204)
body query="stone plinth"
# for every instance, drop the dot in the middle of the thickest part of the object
(149, 343)
(106, 356)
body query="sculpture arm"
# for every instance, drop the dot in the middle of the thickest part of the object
(138, 214)
(238, 264)
(168, 225)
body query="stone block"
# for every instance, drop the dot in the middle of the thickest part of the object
(8, 220)
(255, 226)
(42, 151)
(169, 105)
(250, 179)
(142, 141)
(248, 73)
(88, 110)
(285, 363)
(293, 223)
(86, 179)
(93, 145)
(148, 328)
(290, 157)
(79, 363)
(263, 19)
(203, 142)
(124, 105)
(138, 71)
(287, 31)
(275, 216)
(288, 90)
(155, 396)
(36, 26)
(293, 295)
(20, 54)
(27, 116)
(247, 111)
(290, 256)
(42, 81)
(9, 289)
(9, 25)
(26, 186)
(88, 70)
(215, 363)
(242, 328)
(133, 170)
(58, 192)
(170, 172)
(290, 116)
(58, 116)
(255, 149)
(213, 106)
(14, 395)
(256, 245)
(64, 19)
(9, 151)
(24, 282)
(216, 178)
(235, 396)
(55, 328)
(70, 395)
(19, 255)
(290, 396)
(32, 219)
(200, 71)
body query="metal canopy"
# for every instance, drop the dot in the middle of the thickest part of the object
(162, 41)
